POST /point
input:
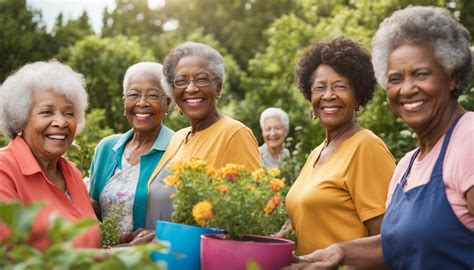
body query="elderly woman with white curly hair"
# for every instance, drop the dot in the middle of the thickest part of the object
(421, 57)
(275, 124)
(122, 163)
(42, 107)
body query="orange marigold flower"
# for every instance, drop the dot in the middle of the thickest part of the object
(276, 200)
(258, 174)
(202, 212)
(171, 180)
(277, 184)
(231, 171)
(274, 172)
(197, 164)
(269, 207)
(251, 187)
(223, 189)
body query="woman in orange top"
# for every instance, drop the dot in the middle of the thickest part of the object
(341, 191)
(42, 108)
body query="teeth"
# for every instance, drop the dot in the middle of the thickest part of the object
(57, 137)
(194, 101)
(330, 110)
(412, 105)
(142, 115)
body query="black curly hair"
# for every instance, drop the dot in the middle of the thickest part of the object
(347, 58)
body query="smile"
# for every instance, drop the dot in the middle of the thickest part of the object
(56, 137)
(330, 110)
(142, 116)
(193, 101)
(412, 106)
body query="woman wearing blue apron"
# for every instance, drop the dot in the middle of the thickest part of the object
(421, 56)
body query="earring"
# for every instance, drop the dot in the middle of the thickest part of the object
(180, 112)
(311, 113)
(218, 96)
(20, 133)
(124, 114)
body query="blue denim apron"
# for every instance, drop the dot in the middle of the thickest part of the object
(420, 229)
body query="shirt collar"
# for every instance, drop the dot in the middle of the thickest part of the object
(160, 143)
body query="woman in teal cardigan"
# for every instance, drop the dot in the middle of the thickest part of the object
(123, 163)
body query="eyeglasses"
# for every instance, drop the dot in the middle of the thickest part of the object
(337, 87)
(182, 83)
(149, 97)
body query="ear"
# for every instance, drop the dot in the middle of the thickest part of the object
(452, 82)
(218, 89)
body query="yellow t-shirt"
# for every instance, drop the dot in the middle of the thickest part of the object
(329, 203)
(225, 141)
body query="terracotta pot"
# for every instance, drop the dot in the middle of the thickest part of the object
(269, 253)
(184, 242)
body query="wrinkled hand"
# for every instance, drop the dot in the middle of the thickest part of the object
(138, 237)
(322, 259)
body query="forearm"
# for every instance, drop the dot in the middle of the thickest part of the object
(363, 253)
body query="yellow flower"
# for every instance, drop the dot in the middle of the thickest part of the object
(171, 180)
(173, 196)
(274, 172)
(177, 167)
(196, 164)
(251, 187)
(258, 174)
(210, 171)
(202, 212)
(277, 184)
(231, 171)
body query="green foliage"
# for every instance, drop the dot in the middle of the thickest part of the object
(23, 35)
(16, 253)
(231, 199)
(110, 228)
(82, 150)
(104, 62)
(3, 141)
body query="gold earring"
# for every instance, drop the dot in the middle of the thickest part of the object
(180, 112)
(218, 96)
(124, 114)
(311, 113)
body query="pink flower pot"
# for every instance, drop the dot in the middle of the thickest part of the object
(269, 253)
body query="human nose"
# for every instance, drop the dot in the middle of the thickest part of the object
(328, 93)
(59, 121)
(191, 87)
(408, 87)
(142, 100)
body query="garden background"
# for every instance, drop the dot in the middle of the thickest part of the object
(261, 41)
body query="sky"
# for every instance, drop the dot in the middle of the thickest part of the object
(73, 9)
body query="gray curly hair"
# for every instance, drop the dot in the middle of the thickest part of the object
(16, 93)
(214, 59)
(428, 25)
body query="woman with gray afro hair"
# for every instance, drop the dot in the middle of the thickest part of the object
(42, 107)
(421, 56)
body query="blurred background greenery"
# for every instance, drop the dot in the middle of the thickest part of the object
(260, 40)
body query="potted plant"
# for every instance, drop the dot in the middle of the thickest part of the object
(244, 204)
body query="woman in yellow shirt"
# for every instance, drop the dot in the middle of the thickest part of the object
(341, 191)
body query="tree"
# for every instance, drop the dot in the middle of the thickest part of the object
(23, 36)
(73, 30)
(104, 62)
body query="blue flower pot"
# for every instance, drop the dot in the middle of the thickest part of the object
(184, 252)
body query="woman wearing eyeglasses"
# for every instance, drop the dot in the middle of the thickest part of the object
(341, 191)
(123, 163)
(194, 75)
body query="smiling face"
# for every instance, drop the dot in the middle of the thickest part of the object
(418, 88)
(332, 98)
(145, 103)
(274, 132)
(197, 103)
(51, 125)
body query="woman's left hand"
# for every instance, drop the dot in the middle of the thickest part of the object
(138, 237)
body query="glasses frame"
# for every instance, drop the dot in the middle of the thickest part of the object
(193, 80)
(332, 87)
(127, 97)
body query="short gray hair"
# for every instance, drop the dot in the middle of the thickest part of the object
(16, 93)
(275, 113)
(149, 68)
(427, 25)
(214, 59)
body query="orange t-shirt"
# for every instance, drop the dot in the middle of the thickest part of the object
(21, 178)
